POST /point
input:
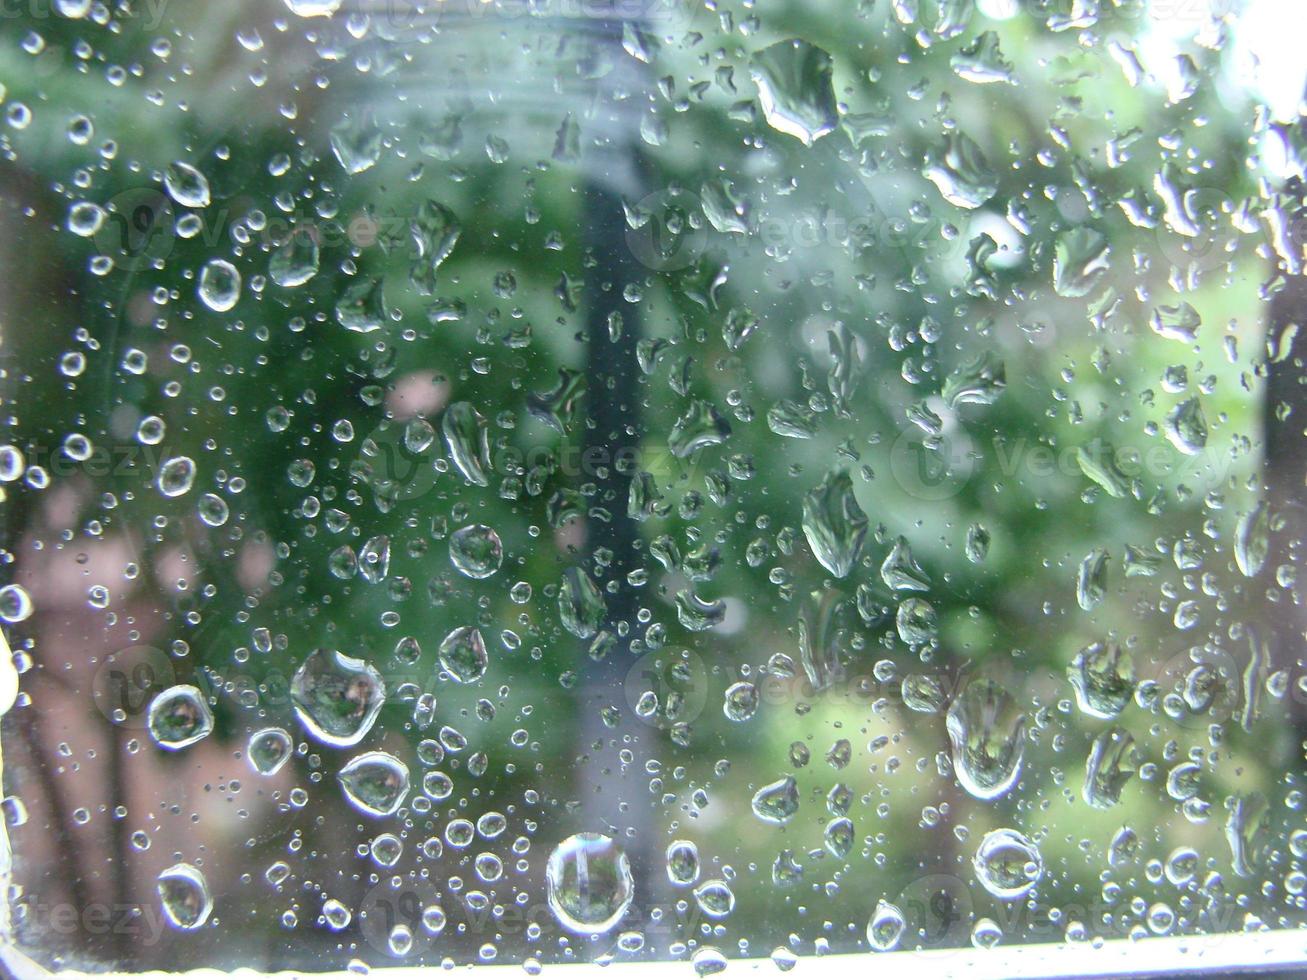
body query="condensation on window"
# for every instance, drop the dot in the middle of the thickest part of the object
(551, 481)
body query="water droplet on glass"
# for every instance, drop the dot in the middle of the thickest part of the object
(463, 655)
(337, 698)
(589, 883)
(885, 927)
(777, 802)
(795, 89)
(184, 896)
(186, 185)
(220, 285)
(987, 733)
(834, 524)
(476, 551)
(179, 717)
(268, 750)
(176, 476)
(1008, 864)
(375, 782)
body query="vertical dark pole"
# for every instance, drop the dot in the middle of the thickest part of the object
(614, 795)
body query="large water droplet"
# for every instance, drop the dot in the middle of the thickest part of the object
(589, 883)
(295, 261)
(1008, 864)
(834, 524)
(220, 285)
(1103, 676)
(336, 697)
(885, 928)
(467, 440)
(682, 862)
(777, 802)
(581, 605)
(375, 782)
(1110, 765)
(463, 655)
(176, 476)
(184, 896)
(269, 749)
(476, 551)
(795, 90)
(988, 737)
(186, 185)
(1186, 427)
(701, 426)
(179, 717)
(961, 172)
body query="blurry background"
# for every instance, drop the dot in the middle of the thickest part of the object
(641, 255)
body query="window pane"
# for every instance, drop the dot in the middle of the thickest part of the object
(542, 482)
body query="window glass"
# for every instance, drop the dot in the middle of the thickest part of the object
(546, 481)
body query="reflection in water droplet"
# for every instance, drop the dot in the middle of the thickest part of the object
(885, 928)
(337, 697)
(589, 883)
(269, 749)
(463, 655)
(794, 80)
(375, 782)
(220, 285)
(179, 717)
(1008, 864)
(176, 476)
(184, 895)
(476, 551)
(988, 737)
(777, 802)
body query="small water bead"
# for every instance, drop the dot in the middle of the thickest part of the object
(184, 896)
(337, 697)
(179, 717)
(1008, 864)
(460, 832)
(375, 782)
(589, 883)
(476, 551)
(489, 867)
(176, 476)
(268, 750)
